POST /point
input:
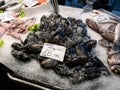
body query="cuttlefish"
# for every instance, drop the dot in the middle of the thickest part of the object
(114, 53)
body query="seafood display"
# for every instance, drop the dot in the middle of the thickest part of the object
(98, 24)
(114, 53)
(111, 40)
(16, 27)
(79, 63)
(106, 34)
(16, 5)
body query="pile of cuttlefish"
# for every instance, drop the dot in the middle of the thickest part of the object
(111, 38)
(79, 63)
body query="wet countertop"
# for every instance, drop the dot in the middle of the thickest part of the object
(33, 71)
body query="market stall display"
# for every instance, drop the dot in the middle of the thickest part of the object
(110, 35)
(79, 63)
(13, 4)
(32, 68)
(17, 8)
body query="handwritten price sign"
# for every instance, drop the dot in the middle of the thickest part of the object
(53, 51)
(6, 17)
(102, 18)
(30, 3)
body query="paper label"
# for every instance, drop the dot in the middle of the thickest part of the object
(30, 3)
(53, 51)
(6, 17)
(101, 18)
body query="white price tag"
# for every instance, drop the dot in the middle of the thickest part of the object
(30, 3)
(102, 18)
(53, 51)
(6, 17)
